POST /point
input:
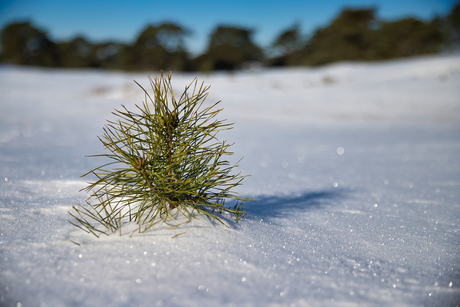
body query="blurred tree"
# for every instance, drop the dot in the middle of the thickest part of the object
(453, 26)
(76, 53)
(157, 47)
(26, 45)
(229, 48)
(406, 37)
(107, 55)
(356, 35)
(288, 41)
(348, 37)
(454, 17)
(285, 47)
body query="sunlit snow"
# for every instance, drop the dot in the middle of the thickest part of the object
(355, 168)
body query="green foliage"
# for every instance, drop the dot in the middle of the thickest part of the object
(158, 47)
(229, 48)
(354, 35)
(26, 45)
(454, 17)
(288, 41)
(107, 55)
(452, 27)
(348, 37)
(76, 53)
(285, 47)
(404, 38)
(168, 164)
(79, 53)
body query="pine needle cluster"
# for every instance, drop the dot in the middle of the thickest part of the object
(165, 162)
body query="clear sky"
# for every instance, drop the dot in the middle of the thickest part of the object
(122, 20)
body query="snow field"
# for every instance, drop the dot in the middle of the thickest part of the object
(355, 169)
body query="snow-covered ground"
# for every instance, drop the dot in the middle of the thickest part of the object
(355, 169)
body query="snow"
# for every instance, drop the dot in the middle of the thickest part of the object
(355, 168)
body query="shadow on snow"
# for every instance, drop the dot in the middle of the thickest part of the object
(279, 206)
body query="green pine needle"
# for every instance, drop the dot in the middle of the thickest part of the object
(166, 164)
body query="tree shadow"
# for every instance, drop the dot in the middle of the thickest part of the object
(280, 206)
(267, 207)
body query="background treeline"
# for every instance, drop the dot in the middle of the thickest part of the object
(354, 35)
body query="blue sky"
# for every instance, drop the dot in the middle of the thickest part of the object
(122, 20)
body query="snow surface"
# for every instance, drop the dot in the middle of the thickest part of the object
(355, 168)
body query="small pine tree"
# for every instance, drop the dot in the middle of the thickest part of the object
(169, 164)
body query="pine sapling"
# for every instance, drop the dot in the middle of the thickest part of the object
(165, 162)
